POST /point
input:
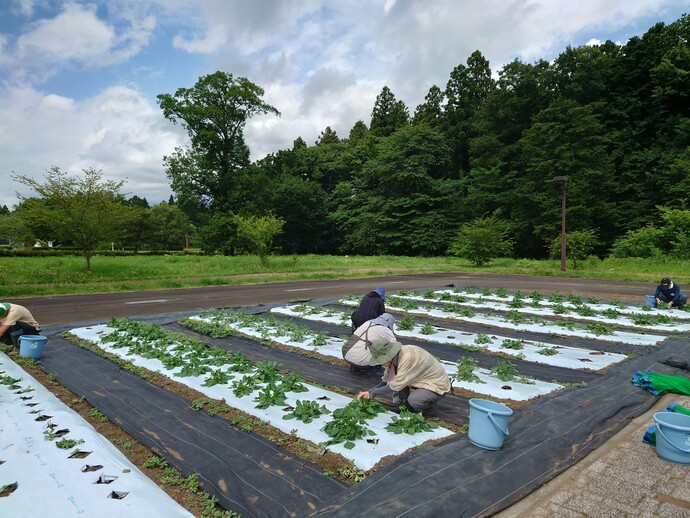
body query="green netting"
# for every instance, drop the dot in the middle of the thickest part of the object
(660, 383)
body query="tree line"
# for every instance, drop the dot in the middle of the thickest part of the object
(484, 149)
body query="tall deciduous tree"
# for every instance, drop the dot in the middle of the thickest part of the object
(214, 113)
(170, 227)
(85, 210)
(15, 229)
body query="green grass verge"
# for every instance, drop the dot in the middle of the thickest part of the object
(36, 276)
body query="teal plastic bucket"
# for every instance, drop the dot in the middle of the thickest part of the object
(32, 346)
(673, 437)
(488, 423)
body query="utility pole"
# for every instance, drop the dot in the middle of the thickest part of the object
(563, 179)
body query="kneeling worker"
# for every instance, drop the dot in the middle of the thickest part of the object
(15, 318)
(356, 350)
(669, 293)
(416, 379)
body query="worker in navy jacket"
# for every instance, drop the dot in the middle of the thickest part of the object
(372, 306)
(669, 293)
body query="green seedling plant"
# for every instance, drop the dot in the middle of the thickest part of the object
(320, 339)
(516, 318)
(463, 311)
(293, 382)
(8, 380)
(512, 344)
(535, 296)
(409, 423)
(194, 367)
(556, 298)
(427, 329)
(559, 308)
(298, 334)
(367, 407)
(599, 329)
(96, 414)
(245, 386)
(585, 311)
(483, 338)
(502, 292)
(664, 319)
(610, 313)
(505, 371)
(217, 377)
(215, 408)
(406, 323)
(347, 426)
(266, 371)
(354, 474)
(593, 300)
(270, 395)
(547, 351)
(49, 433)
(238, 362)
(155, 462)
(516, 303)
(306, 411)
(571, 326)
(575, 300)
(642, 319)
(486, 292)
(429, 294)
(66, 444)
(466, 366)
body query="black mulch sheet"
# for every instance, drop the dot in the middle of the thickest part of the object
(451, 478)
(247, 473)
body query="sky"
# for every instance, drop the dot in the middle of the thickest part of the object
(79, 78)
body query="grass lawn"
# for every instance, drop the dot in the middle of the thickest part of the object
(35, 276)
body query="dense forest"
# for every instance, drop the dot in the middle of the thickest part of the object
(614, 119)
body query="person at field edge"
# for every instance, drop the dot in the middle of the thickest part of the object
(373, 305)
(15, 318)
(669, 293)
(415, 378)
(356, 350)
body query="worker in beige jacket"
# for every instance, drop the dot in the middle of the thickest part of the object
(356, 350)
(416, 379)
(16, 319)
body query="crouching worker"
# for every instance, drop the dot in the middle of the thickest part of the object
(669, 294)
(356, 350)
(413, 377)
(372, 305)
(16, 320)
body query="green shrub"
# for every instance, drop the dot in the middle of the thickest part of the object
(482, 240)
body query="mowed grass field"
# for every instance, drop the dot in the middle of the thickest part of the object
(35, 276)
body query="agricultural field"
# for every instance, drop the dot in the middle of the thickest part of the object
(231, 397)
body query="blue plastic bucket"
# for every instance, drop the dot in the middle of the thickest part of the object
(32, 345)
(488, 423)
(673, 437)
(650, 300)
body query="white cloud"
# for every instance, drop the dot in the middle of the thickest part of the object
(321, 63)
(117, 131)
(77, 35)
